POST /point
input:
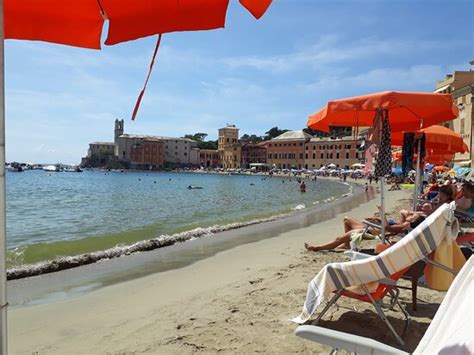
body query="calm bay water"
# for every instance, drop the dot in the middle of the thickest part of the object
(50, 215)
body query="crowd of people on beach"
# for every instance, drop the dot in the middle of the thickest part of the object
(438, 191)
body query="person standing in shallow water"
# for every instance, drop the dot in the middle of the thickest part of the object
(302, 186)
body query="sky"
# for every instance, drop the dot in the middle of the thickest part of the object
(254, 74)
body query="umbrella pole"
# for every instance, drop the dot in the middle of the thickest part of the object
(3, 274)
(417, 176)
(382, 205)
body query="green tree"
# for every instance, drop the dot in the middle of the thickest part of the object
(208, 145)
(336, 132)
(198, 137)
(274, 132)
(251, 138)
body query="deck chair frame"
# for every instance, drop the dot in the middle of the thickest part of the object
(378, 305)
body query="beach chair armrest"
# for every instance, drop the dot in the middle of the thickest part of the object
(371, 224)
(344, 341)
(387, 281)
(355, 255)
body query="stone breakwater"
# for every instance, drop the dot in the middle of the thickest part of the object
(119, 251)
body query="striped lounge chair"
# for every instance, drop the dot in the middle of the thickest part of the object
(385, 268)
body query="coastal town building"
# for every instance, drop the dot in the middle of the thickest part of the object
(209, 158)
(99, 154)
(142, 151)
(229, 147)
(460, 85)
(253, 153)
(147, 153)
(343, 152)
(287, 151)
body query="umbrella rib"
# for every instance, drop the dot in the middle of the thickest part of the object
(102, 12)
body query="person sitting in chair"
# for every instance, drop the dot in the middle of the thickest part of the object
(353, 228)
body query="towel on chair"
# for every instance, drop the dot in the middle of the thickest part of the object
(419, 243)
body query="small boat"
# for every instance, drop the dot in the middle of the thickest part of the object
(52, 168)
(72, 169)
(14, 168)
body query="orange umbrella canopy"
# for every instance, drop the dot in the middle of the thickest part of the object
(432, 157)
(440, 168)
(408, 111)
(79, 23)
(439, 138)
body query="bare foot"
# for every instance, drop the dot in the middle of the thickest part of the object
(310, 247)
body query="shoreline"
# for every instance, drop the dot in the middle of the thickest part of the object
(239, 299)
(78, 281)
(161, 241)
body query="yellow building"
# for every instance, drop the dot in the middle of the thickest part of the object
(229, 148)
(461, 87)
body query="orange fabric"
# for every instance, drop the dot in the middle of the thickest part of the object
(432, 157)
(438, 138)
(79, 23)
(256, 7)
(130, 20)
(76, 23)
(440, 168)
(408, 111)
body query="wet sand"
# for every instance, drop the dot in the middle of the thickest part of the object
(238, 300)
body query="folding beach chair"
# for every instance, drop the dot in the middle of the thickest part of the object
(413, 273)
(386, 287)
(443, 336)
(385, 268)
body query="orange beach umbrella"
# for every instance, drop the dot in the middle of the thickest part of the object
(408, 111)
(437, 137)
(432, 157)
(79, 23)
(440, 168)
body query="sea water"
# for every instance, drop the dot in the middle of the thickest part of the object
(54, 215)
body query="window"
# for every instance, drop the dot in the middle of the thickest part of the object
(306, 155)
(337, 155)
(347, 155)
(284, 144)
(269, 156)
(185, 154)
(348, 146)
(314, 147)
(322, 156)
(301, 155)
(314, 156)
(227, 140)
(269, 145)
(300, 144)
(307, 147)
(294, 144)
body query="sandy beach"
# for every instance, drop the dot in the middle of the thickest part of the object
(239, 300)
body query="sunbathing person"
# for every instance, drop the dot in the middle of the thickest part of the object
(344, 240)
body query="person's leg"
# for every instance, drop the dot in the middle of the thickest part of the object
(351, 224)
(342, 240)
